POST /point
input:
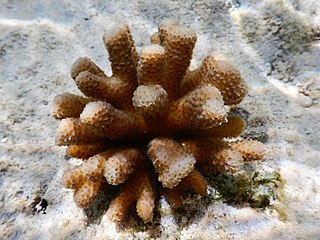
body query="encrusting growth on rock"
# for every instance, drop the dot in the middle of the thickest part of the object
(153, 125)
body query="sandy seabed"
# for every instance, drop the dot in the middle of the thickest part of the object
(275, 45)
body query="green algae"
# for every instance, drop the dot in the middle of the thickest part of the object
(255, 188)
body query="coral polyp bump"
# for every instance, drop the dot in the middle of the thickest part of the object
(153, 126)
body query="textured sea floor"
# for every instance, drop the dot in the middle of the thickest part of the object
(275, 45)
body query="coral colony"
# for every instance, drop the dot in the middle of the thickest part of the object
(153, 126)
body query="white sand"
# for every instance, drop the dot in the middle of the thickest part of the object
(39, 41)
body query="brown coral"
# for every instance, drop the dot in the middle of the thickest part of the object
(170, 160)
(194, 180)
(152, 119)
(139, 190)
(221, 74)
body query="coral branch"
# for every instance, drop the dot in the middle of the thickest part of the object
(121, 164)
(113, 123)
(233, 127)
(170, 160)
(194, 180)
(74, 178)
(85, 64)
(202, 108)
(85, 195)
(110, 89)
(221, 74)
(85, 151)
(251, 150)
(150, 101)
(151, 65)
(217, 152)
(93, 168)
(73, 131)
(164, 26)
(68, 105)
(122, 53)
(139, 189)
(178, 42)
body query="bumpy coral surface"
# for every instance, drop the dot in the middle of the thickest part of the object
(153, 125)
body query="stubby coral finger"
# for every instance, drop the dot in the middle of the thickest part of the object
(121, 164)
(85, 64)
(73, 178)
(85, 195)
(251, 150)
(194, 181)
(150, 101)
(170, 160)
(139, 190)
(68, 105)
(151, 65)
(73, 131)
(201, 109)
(216, 153)
(178, 42)
(84, 151)
(221, 74)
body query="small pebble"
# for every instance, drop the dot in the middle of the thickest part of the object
(4, 140)
(304, 101)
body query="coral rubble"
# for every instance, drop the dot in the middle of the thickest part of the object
(153, 126)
